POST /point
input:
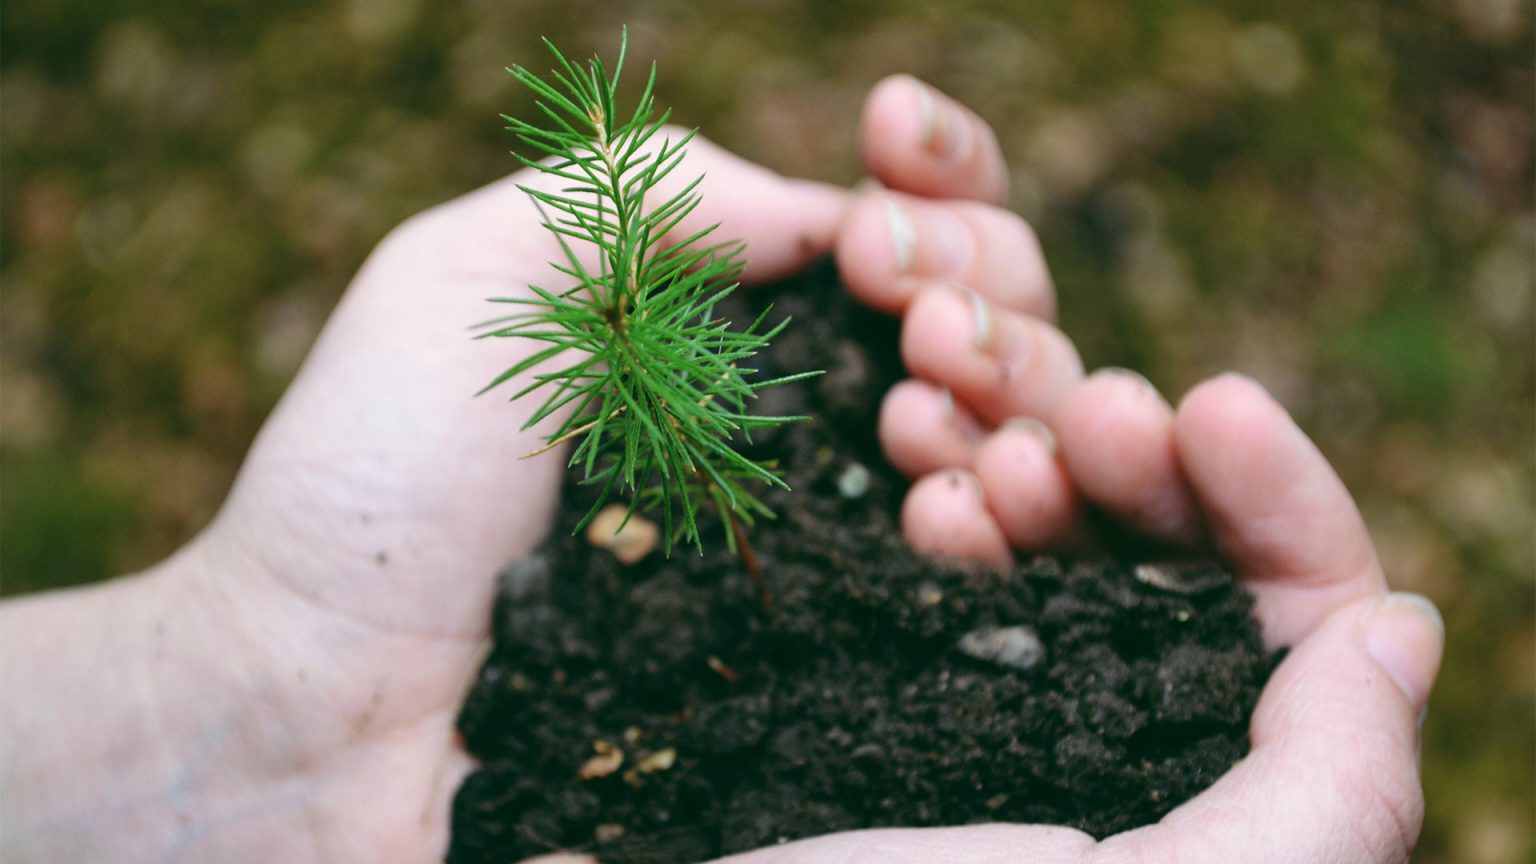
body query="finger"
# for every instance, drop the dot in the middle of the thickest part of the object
(945, 516)
(916, 139)
(1333, 774)
(1277, 511)
(1000, 363)
(785, 222)
(979, 844)
(923, 430)
(893, 245)
(1027, 489)
(1117, 444)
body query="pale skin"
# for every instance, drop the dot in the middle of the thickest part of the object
(284, 687)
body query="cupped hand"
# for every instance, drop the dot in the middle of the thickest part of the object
(285, 688)
(1009, 446)
(381, 498)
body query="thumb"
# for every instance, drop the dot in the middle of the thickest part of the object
(1334, 770)
(785, 222)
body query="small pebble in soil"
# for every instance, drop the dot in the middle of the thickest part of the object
(929, 594)
(1178, 577)
(1016, 647)
(853, 482)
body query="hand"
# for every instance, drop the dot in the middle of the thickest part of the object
(308, 652)
(285, 688)
(1009, 444)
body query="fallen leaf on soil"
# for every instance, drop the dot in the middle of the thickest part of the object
(627, 541)
(608, 832)
(661, 760)
(607, 761)
(721, 669)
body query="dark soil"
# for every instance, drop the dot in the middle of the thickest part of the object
(876, 690)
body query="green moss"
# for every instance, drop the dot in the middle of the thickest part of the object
(58, 524)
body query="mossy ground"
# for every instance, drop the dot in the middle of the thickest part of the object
(1336, 198)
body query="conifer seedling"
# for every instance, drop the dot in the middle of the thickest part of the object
(654, 386)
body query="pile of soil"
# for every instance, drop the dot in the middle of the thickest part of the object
(659, 713)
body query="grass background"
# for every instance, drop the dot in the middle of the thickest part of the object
(1336, 198)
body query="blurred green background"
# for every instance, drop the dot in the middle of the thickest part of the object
(1335, 197)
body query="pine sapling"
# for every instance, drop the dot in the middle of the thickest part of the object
(650, 386)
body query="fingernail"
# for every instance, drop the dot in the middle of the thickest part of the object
(981, 318)
(1247, 379)
(903, 236)
(868, 186)
(1241, 376)
(1132, 374)
(927, 112)
(967, 427)
(1009, 345)
(943, 131)
(1406, 635)
(1139, 379)
(1031, 426)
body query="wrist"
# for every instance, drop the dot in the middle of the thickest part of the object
(82, 755)
(122, 682)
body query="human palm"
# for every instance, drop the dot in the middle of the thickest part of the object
(328, 622)
(380, 499)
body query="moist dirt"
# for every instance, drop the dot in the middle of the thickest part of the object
(659, 712)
